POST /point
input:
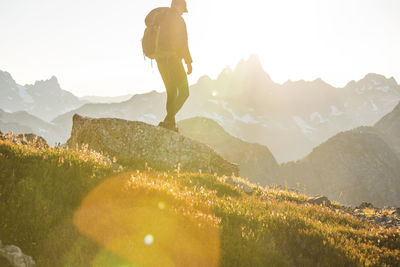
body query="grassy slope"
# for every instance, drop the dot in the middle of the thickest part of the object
(61, 208)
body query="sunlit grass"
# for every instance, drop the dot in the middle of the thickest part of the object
(70, 208)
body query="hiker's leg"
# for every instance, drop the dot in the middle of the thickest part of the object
(183, 87)
(166, 68)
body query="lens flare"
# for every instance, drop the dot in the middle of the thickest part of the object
(147, 226)
(148, 240)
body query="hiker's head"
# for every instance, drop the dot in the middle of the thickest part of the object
(180, 6)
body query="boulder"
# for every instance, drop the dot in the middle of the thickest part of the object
(137, 144)
(365, 205)
(15, 257)
(319, 200)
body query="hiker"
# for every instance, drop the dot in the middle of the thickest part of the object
(170, 47)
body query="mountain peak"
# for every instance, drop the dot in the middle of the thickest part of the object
(46, 85)
(375, 77)
(252, 64)
(6, 77)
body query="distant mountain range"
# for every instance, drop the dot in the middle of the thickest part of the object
(44, 99)
(290, 119)
(341, 142)
(355, 166)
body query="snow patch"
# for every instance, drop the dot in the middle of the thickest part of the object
(376, 82)
(374, 106)
(384, 89)
(27, 98)
(246, 118)
(148, 117)
(361, 90)
(218, 118)
(43, 130)
(317, 116)
(335, 111)
(304, 127)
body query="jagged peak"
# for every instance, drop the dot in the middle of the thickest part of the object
(253, 64)
(51, 83)
(373, 78)
(205, 79)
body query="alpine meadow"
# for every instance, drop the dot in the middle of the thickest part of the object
(179, 133)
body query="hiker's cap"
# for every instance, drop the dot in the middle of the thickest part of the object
(181, 3)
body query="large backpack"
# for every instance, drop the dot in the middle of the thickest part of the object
(151, 36)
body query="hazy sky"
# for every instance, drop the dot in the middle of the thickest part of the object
(94, 48)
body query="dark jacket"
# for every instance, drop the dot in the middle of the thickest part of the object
(173, 38)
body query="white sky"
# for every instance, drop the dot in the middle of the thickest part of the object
(93, 46)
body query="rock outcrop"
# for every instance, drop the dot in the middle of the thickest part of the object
(255, 161)
(25, 139)
(136, 143)
(319, 200)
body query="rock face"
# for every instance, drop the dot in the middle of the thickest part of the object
(136, 143)
(352, 167)
(255, 161)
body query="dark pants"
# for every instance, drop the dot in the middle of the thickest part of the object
(176, 83)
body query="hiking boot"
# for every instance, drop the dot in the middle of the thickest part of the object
(168, 125)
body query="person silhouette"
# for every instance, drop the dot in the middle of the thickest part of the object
(173, 47)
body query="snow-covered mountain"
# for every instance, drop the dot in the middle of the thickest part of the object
(290, 119)
(44, 99)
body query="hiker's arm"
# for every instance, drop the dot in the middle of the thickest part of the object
(185, 49)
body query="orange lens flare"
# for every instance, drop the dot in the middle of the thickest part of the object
(146, 226)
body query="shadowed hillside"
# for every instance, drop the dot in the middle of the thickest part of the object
(255, 161)
(352, 167)
(389, 127)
